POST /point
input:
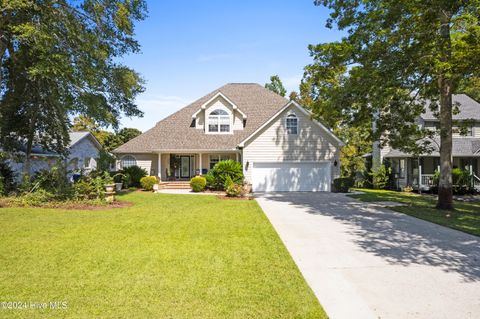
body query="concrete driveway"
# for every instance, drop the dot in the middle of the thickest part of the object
(363, 261)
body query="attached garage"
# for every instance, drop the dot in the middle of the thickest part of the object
(291, 176)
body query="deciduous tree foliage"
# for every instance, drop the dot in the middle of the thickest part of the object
(396, 58)
(109, 140)
(276, 85)
(60, 58)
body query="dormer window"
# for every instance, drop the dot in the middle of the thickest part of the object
(219, 121)
(292, 124)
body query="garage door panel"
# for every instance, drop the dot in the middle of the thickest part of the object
(281, 176)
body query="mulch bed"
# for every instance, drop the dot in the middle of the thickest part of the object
(73, 206)
(247, 197)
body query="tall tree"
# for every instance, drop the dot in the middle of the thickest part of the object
(397, 57)
(276, 85)
(59, 58)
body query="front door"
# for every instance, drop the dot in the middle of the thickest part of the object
(185, 166)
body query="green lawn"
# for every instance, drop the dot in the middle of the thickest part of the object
(168, 256)
(465, 217)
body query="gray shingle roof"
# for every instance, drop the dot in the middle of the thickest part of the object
(175, 131)
(463, 146)
(75, 137)
(469, 109)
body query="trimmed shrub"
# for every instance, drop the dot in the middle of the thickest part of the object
(342, 184)
(223, 169)
(198, 183)
(234, 190)
(133, 174)
(147, 182)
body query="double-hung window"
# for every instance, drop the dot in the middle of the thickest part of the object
(292, 124)
(219, 122)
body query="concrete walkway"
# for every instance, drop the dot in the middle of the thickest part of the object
(364, 261)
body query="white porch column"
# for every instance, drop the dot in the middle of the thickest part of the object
(420, 176)
(236, 157)
(200, 162)
(159, 166)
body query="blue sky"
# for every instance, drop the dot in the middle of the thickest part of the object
(190, 48)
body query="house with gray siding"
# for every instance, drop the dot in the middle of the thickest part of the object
(418, 171)
(279, 144)
(84, 150)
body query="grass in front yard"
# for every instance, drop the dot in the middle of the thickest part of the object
(465, 217)
(168, 256)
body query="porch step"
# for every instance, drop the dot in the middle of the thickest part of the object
(174, 185)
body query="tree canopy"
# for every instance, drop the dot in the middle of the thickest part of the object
(396, 59)
(61, 58)
(276, 85)
(109, 140)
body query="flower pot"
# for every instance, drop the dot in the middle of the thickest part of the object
(118, 186)
(110, 188)
(156, 187)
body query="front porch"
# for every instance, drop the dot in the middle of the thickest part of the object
(419, 173)
(182, 166)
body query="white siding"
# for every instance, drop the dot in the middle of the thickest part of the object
(273, 144)
(238, 121)
(200, 121)
(149, 162)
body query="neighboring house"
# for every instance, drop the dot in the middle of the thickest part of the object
(280, 146)
(418, 172)
(84, 151)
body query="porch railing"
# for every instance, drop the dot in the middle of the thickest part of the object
(426, 180)
(476, 181)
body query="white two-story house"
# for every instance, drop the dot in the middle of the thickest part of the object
(418, 172)
(280, 146)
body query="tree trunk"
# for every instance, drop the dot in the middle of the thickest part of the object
(445, 194)
(28, 153)
(29, 146)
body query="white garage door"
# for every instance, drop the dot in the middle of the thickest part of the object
(291, 176)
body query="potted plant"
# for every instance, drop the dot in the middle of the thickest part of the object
(118, 179)
(109, 184)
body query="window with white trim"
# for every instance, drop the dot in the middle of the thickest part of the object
(292, 124)
(127, 161)
(219, 121)
(214, 159)
(86, 162)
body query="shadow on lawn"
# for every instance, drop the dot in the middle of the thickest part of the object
(398, 238)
